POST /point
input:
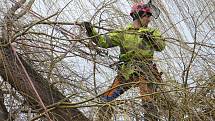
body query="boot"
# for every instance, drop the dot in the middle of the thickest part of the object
(151, 112)
(105, 113)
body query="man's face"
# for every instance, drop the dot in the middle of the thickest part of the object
(145, 19)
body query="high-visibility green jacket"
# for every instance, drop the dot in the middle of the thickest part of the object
(134, 44)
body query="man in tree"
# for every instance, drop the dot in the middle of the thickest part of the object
(137, 45)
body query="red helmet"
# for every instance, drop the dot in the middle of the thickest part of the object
(139, 9)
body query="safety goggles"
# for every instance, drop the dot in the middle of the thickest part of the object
(143, 14)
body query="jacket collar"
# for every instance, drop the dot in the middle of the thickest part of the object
(131, 27)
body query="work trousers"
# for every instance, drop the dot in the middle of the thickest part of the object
(145, 78)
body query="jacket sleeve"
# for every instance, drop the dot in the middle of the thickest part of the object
(158, 41)
(107, 40)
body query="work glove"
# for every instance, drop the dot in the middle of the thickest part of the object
(89, 28)
(148, 36)
(89, 31)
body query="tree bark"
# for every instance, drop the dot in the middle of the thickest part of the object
(3, 110)
(12, 71)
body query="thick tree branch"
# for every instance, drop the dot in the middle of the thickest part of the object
(11, 71)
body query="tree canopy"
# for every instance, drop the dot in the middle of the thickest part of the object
(50, 70)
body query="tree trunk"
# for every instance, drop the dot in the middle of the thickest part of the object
(11, 69)
(3, 110)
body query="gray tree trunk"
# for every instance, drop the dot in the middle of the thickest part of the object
(12, 71)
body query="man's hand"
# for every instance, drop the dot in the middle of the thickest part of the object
(148, 36)
(89, 28)
(89, 31)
